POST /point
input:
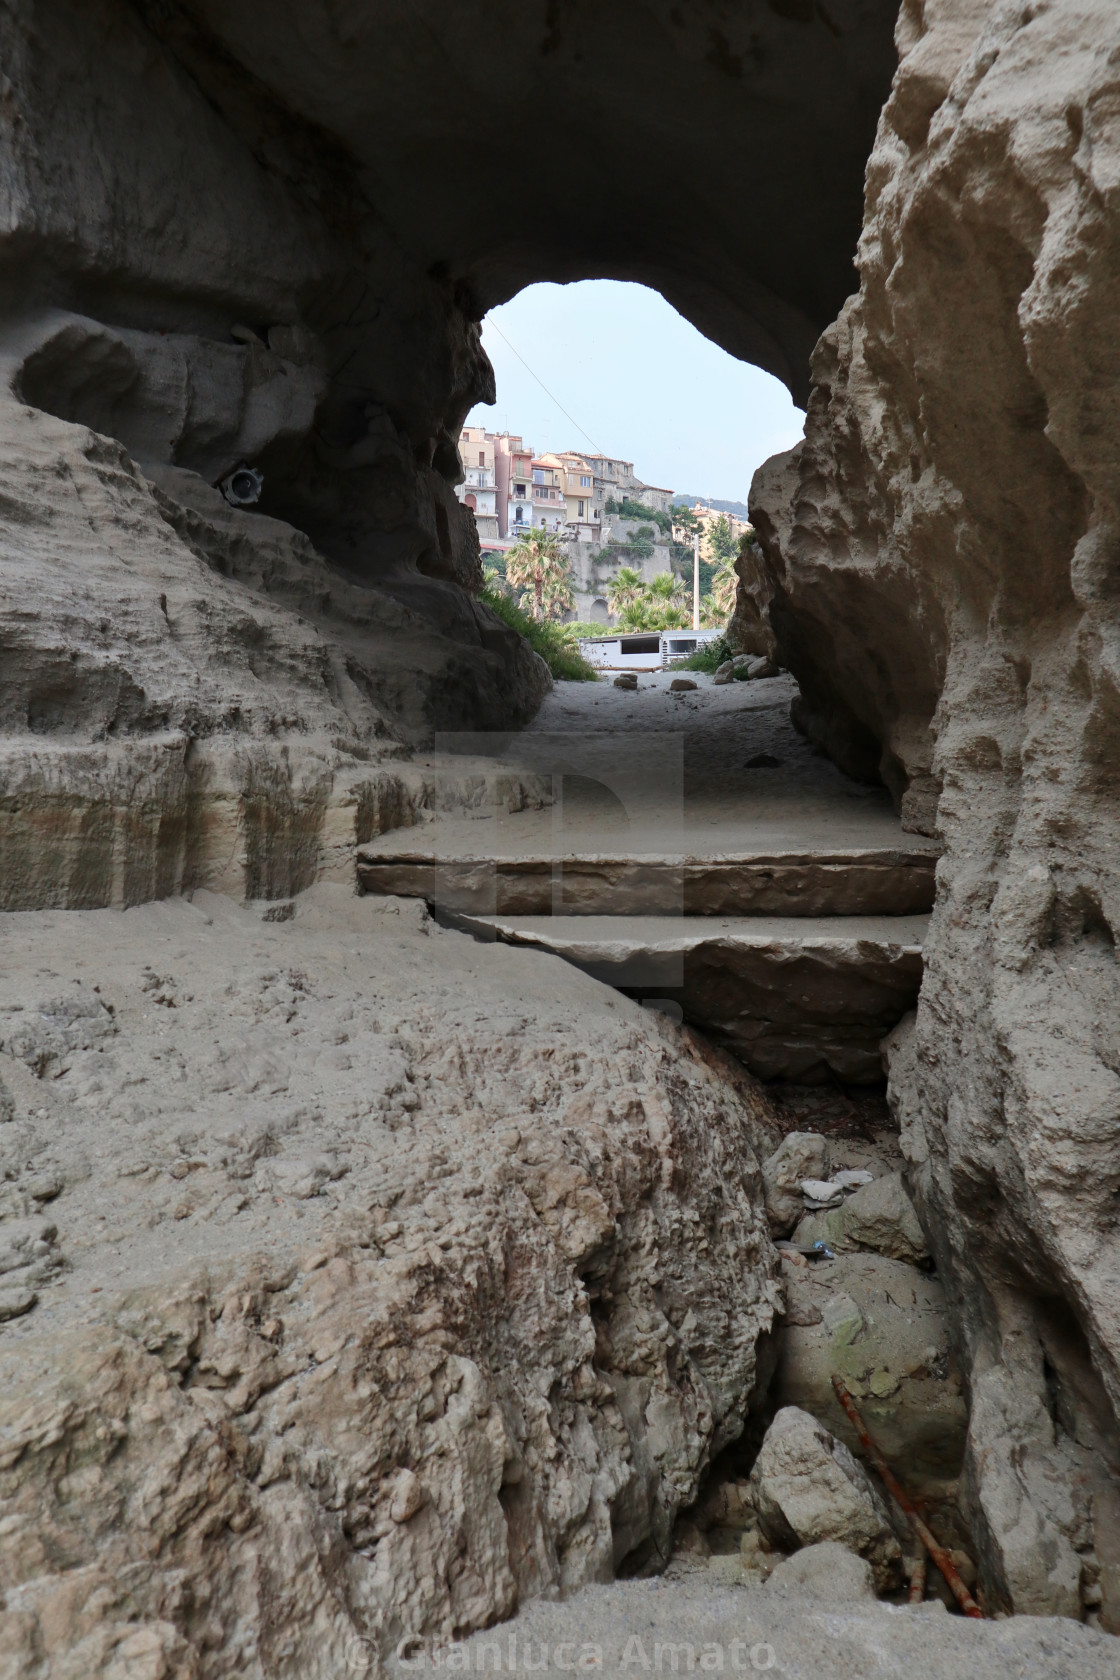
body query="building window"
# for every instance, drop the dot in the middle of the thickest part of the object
(581, 510)
(585, 483)
(482, 457)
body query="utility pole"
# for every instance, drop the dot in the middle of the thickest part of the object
(696, 580)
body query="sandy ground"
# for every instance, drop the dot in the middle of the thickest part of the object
(708, 771)
(697, 1625)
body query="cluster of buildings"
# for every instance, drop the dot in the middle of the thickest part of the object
(510, 489)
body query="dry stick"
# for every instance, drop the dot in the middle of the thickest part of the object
(918, 1580)
(938, 1553)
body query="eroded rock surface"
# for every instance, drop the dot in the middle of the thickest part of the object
(370, 1281)
(942, 555)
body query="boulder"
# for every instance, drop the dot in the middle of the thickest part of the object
(827, 1571)
(758, 669)
(681, 685)
(880, 1216)
(354, 1258)
(884, 1327)
(800, 1155)
(724, 673)
(807, 1487)
(626, 679)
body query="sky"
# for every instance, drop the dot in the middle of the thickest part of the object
(638, 382)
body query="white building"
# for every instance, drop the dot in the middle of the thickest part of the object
(643, 650)
(479, 490)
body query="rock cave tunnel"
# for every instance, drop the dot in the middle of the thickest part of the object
(268, 237)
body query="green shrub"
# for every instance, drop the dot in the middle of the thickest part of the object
(708, 658)
(628, 508)
(554, 642)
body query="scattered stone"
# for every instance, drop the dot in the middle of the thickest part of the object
(627, 679)
(807, 1487)
(828, 1571)
(15, 1302)
(799, 1156)
(821, 1193)
(27, 1242)
(842, 1319)
(681, 685)
(759, 669)
(44, 1186)
(724, 673)
(853, 1178)
(920, 1423)
(881, 1217)
(47, 1034)
(805, 1315)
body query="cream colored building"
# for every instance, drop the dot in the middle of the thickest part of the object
(549, 504)
(479, 490)
(583, 510)
(707, 517)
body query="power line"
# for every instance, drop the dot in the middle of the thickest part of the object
(490, 322)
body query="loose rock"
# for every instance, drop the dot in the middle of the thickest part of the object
(681, 685)
(821, 1193)
(827, 1571)
(807, 1487)
(799, 1156)
(627, 679)
(15, 1302)
(880, 1216)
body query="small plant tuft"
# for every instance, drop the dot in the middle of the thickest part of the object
(554, 642)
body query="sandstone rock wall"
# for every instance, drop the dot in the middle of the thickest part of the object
(944, 554)
(239, 234)
(193, 280)
(356, 1281)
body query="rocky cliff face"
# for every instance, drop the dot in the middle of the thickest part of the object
(193, 281)
(357, 1281)
(944, 556)
(249, 238)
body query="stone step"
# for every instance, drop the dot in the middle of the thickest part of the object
(854, 881)
(797, 998)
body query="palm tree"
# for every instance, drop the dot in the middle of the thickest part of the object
(624, 589)
(725, 586)
(667, 591)
(538, 563)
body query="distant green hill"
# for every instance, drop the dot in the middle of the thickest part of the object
(739, 509)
